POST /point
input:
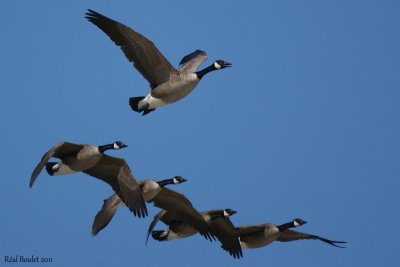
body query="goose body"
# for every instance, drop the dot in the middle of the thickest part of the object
(218, 220)
(256, 236)
(72, 158)
(263, 235)
(92, 161)
(168, 85)
(149, 189)
(162, 197)
(176, 88)
(176, 229)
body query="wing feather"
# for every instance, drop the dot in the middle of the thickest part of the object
(115, 172)
(60, 150)
(106, 213)
(178, 205)
(146, 57)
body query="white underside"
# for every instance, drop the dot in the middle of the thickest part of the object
(172, 235)
(170, 91)
(258, 245)
(62, 169)
(152, 101)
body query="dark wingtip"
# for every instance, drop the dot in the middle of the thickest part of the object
(235, 254)
(142, 212)
(32, 180)
(94, 17)
(335, 243)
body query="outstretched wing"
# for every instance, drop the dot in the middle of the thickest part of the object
(153, 223)
(192, 61)
(106, 213)
(145, 56)
(290, 235)
(226, 233)
(178, 205)
(60, 150)
(116, 173)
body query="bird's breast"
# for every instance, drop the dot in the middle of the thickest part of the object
(176, 88)
(150, 189)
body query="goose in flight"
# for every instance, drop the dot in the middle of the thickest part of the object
(91, 160)
(167, 84)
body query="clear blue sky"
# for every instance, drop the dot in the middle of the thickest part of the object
(305, 124)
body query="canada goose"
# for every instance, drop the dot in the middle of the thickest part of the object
(255, 236)
(168, 84)
(111, 204)
(162, 197)
(218, 220)
(91, 160)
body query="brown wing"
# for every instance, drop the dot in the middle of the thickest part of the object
(106, 213)
(60, 150)
(153, 223)
(116, 173)
(226, 233)
(290, 235)
(250, 233)
(181, 208)
(190, 62)
(249, 229)
(147, 59)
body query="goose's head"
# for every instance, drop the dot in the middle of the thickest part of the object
(118, 145)
(221, 64)
(229, 212)
(178, 179)
(298, 222)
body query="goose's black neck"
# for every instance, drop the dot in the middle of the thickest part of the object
(106, 147)
(285, 226)
(203, 72)
(165, 182)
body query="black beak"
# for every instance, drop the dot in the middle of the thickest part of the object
(183, 180)
(123, 145)
(233, 212)
(227, 65)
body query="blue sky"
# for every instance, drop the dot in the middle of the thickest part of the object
(305, 124)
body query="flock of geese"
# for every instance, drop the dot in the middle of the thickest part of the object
(168, 85)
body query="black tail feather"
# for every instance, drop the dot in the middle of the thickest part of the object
(147, 111)
(157, 235)
(134, 103)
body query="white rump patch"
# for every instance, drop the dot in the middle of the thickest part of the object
(152, 101)
(56, 166)
(172, 235)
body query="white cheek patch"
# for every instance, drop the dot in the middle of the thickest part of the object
(217, 66)
(226, 214)
(296, 224)
(116, 146)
